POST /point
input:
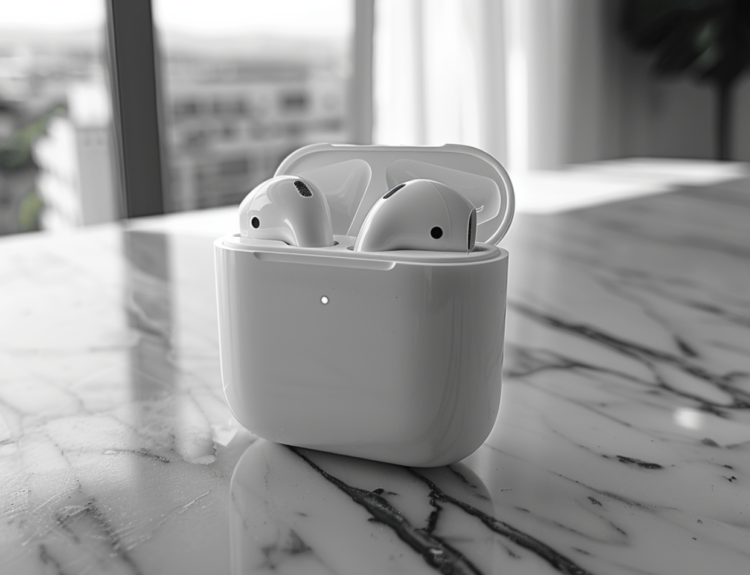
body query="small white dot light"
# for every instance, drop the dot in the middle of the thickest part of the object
(324, 300)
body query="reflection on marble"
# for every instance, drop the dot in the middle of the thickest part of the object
(622, 444)
(304, 511)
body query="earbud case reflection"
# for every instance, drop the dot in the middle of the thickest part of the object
(395, 355)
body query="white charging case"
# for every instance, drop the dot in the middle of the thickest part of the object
(393, 356)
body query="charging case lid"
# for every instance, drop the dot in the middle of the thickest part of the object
(353, 178)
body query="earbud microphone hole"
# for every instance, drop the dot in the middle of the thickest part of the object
(255, 222)
(393, 191)
(436, 232)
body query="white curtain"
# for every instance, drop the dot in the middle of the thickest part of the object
(439, 73)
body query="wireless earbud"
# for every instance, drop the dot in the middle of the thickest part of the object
(289, 209)
(419, 215)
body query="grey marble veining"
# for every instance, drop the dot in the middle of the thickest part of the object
(622, 444)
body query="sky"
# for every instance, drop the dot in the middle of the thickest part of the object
(206, 18)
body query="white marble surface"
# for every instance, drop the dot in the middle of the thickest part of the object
(589, 184)
(622, 444)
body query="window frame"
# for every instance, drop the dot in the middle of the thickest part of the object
(134, 66)
(136, 107)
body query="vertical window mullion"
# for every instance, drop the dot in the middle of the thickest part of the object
(360, 109)
(135, 106)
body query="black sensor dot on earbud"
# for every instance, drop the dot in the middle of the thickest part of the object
(436, 232)
(255, 222)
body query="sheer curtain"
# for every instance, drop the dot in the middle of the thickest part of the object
(439, 73)
(534, 82)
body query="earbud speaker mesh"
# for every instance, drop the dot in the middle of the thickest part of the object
(472, 227)
(302, 188)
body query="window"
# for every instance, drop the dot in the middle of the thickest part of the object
(242, 78)
(56, 167)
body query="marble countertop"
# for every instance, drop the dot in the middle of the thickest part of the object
(622, 443)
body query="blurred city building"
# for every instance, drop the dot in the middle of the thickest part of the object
(233, 108)
(228, 127)
(41, 69)
(222, 137)
(75, 179)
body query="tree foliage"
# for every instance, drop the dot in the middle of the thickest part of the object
(15, 154)
(706, 39)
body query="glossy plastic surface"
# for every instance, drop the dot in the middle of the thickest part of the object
(354, 178)
(400, 362)
(419, 215)
(288, 209)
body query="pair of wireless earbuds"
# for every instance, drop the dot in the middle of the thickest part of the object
(415, 215)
